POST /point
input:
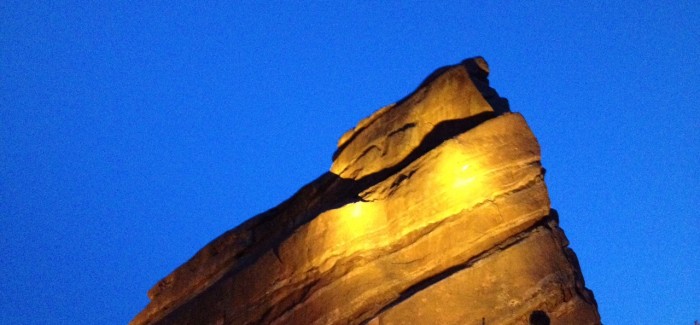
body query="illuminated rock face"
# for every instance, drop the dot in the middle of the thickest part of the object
(435, 211)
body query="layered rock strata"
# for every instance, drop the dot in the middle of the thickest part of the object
(434, 211)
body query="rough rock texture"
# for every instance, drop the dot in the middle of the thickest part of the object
(435, 211)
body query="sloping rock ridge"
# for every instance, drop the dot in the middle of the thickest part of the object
(434, 211)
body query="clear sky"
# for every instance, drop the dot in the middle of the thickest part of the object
(132, 135)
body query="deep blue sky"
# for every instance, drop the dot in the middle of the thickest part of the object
(132, 135)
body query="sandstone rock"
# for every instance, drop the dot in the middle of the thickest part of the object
(434, 211)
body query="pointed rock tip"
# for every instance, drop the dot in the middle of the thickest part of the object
(477, 66)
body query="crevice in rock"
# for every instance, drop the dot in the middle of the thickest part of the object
(400, 179)
(281, 308)
(362, 155)
(361, 126)
(401, 129)
(427, 282)
(441, 132)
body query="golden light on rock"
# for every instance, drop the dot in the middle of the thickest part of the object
(434, 211)
(353, 222)
(462, 173)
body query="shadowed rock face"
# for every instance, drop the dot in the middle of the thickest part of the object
(434, 211)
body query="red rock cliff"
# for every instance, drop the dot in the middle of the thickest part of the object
(434, 211)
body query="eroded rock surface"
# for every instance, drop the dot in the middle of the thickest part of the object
(434, 211)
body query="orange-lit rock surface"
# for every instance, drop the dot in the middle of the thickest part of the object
(434, 211)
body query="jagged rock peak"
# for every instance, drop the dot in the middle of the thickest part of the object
(434, 211)
(450, 99)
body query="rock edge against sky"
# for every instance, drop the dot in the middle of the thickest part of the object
(434, 210)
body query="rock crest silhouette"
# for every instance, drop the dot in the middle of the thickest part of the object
(434, 211)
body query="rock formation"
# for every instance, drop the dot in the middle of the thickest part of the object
(434, 211)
